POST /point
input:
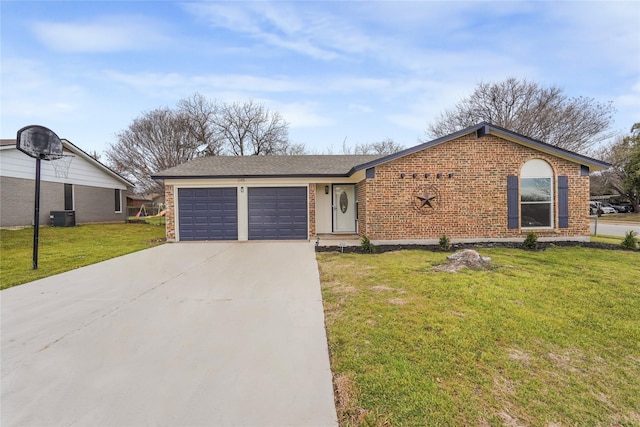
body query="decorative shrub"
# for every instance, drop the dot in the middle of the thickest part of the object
(444, 243)
(531, 242)
(366, 245)
(630, 240)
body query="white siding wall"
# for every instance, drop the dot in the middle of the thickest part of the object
(16, 164)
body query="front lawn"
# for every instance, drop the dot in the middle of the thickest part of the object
(66, 248)
(541, 338)
(605, 238)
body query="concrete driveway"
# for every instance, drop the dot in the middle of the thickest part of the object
(184, 334)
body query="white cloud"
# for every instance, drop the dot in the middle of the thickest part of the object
(183, 84)
(307, 30)
(106, 34)
(361, 108)
(31, 92)
(301, 114)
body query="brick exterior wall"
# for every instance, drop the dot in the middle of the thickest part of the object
(470, 205)
(312, 211)
(92, 204)
(170, 219)
(362, 207)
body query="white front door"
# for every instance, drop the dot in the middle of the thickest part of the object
(344, 208)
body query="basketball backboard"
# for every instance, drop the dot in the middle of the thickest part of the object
(39, 142)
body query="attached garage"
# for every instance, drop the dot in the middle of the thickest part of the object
(208, 213)
(277, 213)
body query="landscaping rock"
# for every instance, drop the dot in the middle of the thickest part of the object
(467, 258)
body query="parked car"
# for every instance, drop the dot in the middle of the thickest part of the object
(610, 206)
(628, 205)
(607, 209)
(600, 208)
(620, 208)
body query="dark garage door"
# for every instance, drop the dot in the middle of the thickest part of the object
(277, 213)
(208, 213)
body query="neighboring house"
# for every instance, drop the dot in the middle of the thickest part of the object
(93, 191)
(483, 183)
(137, 200)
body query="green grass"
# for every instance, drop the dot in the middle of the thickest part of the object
(540, 338)
(153, 220)
(605, 238)
(65, 248)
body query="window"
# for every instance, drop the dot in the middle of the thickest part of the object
(68, 197)
(536, 194)
(118, 201)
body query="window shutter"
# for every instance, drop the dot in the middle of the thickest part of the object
(563, 201)
(512, 201)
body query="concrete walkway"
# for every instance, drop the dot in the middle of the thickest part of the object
(185, 334)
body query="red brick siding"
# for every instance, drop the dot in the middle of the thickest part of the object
(472, 204)
(171, 213)
(362, 206)
(312, 211)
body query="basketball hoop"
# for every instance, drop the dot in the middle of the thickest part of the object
(41, 143)
(61, 165)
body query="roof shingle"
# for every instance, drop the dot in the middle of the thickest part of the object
(280, 166)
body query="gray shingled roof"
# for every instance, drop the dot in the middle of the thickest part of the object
(253, 166)
(344, 165)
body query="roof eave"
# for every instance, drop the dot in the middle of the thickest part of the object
(415, 149)
(593, 164)
(483, 129)
(238, 176)
(80, 152)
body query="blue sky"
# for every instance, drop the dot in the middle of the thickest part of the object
(361, 71)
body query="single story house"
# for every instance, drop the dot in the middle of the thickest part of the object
(78, 184)
(483, 183)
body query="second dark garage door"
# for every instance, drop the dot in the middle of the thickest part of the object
(277, 213)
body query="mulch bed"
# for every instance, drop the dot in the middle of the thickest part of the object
(454, 247)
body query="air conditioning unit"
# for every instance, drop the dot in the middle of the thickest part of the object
(63, 218)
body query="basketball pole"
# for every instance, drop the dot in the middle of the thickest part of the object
(36, 216)
(40, 143)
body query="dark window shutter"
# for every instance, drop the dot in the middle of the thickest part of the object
(512, 201)
(118, 205)
(68, 197)
(563, 201)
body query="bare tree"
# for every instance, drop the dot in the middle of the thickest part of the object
(295, 150)
(249, 128)
(201, 114)
(542, 113)
(157, 140)
(385, 147)
(624, 175)
(166, 137)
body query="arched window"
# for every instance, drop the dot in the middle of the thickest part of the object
(536, 194)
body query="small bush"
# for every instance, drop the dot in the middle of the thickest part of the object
(531, 242)
(444, 243)
(630, 240)
(366, 245)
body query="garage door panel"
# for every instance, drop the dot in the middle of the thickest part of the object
(208, 213)
(277, 213)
